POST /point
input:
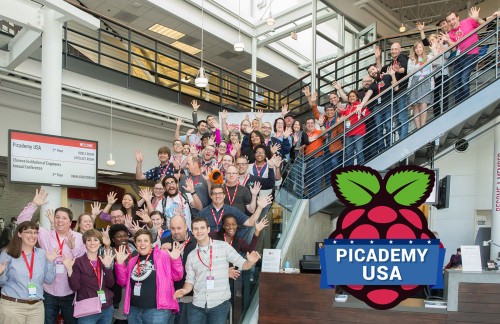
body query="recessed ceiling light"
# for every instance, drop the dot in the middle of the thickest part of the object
(260, 75)
(165, 31)
(186, 48)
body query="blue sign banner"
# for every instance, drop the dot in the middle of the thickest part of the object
(382, 262)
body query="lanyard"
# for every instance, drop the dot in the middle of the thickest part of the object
(97, 271)
(30, 267)
(380, 85)
(244, 180)
(195, 182)
(165, 169)
(229, 195)
(139, 262)
(61, 245)
(259, 171)
(155, 201)
(129, 253)
(210, 264)
(230, 243)
(220, 218)
(186, 242)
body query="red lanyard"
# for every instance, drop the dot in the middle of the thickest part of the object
(167, 165)
(210, 264)
(259, 170)
(97, 272)
(220, 218)
(139, 262)
(380, 85)
(230, 243)
(61, 245)
(155, 202)
(30, 267)
(160, 233)
(195, 182)
(244, 180)
(186, 242)
(229, 195)
(180, 198)
(129, 253)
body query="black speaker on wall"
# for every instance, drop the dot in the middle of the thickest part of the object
(444, 193)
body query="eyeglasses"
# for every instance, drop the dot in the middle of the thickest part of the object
(241, 164)
(169, 183)
(266, 127)
(217, 193)
(158, 188)
(31, 232)
(231, 172)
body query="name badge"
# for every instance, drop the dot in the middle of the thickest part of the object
(458, 52)
(379, 100)
(32, 290)
(102, 296)
(348, 124)
(59, 267)
(137, 289)
(210, 282)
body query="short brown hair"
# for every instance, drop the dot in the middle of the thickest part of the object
(92, 233)
(198, 220)
(164, 149)
(66, 210)
(143, 231)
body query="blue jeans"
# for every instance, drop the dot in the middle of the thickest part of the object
(214, 315)
(383, 119)
(148, 315)
(331, 160)
(54, 304)
(105, 317)
(463, 68)
(402, 112)
(183, 317)
(355, 141)
(313, 177)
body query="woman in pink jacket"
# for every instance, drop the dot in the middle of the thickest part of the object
(149, 280)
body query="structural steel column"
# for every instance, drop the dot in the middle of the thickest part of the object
(495, 210)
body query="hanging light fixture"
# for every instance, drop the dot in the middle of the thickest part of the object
(201, 80)
(111, 162)
(402, 29)
(270, 20)
(239, 46)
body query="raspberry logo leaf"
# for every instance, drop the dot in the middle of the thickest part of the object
(356, 185)
(409, 186)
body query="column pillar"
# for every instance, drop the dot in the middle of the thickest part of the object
(314, 86)
(254, 70)
(51, 94)
(495, 210)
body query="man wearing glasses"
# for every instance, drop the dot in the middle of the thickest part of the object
(239, 196)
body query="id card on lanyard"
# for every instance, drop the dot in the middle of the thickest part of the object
(210, 278)
(31, 285)
(138, 284)
(99, 274)
(59, 263)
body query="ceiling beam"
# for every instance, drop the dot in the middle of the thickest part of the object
(329, 39)
(70, 12)
(24, 13)
(323, 17)
(22, 46)
(419, 5)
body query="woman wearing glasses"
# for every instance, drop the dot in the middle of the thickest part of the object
(24, 269)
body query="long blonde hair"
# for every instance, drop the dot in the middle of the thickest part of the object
(414, 54)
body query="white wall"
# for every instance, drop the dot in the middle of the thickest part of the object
(471, 189)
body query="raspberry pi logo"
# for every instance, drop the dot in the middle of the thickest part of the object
(382, 251)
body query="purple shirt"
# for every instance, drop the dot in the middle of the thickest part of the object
(465, 27)
(48, 241)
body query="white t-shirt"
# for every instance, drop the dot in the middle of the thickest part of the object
(174, 203)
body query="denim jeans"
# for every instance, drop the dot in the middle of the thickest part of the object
(313, 175)
(463, 68)
(54, 304)
(383, 119)
(352, 142)
(402, 112)
(184, 315)
(214, 315)
(105, 317)
(148, 315)
(331, 160)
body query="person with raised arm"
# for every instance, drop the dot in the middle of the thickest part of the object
(190, 138)
(58, 294)
(207, 274)
(24, 269)
(156, 173)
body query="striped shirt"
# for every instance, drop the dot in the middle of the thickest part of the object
(197, 272)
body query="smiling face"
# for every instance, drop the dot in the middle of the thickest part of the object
(127, 201)
(202, 128)
(245, 126)
(29, 237)
(329, 112)
(171, 187)
(444, 26)
(366, 82)
(117, 217)
(309, 125)
(242, 165)
(280, 125)
(255, 139)
(208, 153)
(163, 157)
(395, 50)
(143, 244)
(158, 190)
(373, 72)
(217, 196)
(266, 129)
(178, 228)
(211, 121)
(260, 155)
(227, 161)
(296, 126)
(120, 238)
(200, 231)
(62, 222)
(231, 175)
(177, 147)
(185, 149)
(222, 148)
(230, 226)
(157, 221)
(92, 244)
(289, 120)
(419, 49)
(86, 223)
(452, 20)
(352, 97)
(334, 99)
(255, 124)
(234, 138)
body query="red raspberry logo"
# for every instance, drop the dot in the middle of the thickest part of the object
(379, 208)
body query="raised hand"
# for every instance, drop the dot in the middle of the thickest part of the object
(420, 26)
(211, 140)
(306, 91)
(313, 97)
(139, 157)
(377, 52)
(52, 255)
(166, 246)
(396, 66)
(49, 213)
(445, 37)
(128, 221)
(262, 202)
(146, 194)
(261, 225)
(106, 241)
(284, 110)
(144, 215)
(287, 132)
(121, 254)
(391, 71)
(295, 138)
(474, 13)
(259, 114)
(224, 114)
(336, 85)
(189, 132)
(68, 264)
(107, 258)
(253, 257)
(135, 227)
(277, 161)
(179, 121)
(70, 240)
(275, 148)
(255, 189)
(189, 187)
(111, 198)
(233, 273)
(176, 250)
(195, 105)
(40, 197)
(95, 209)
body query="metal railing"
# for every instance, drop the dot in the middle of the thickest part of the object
(389, 121)
(138, 55)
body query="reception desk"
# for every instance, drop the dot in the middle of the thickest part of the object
(297, 298)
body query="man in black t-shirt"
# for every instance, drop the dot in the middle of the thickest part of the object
(399, 64)
(379, 106)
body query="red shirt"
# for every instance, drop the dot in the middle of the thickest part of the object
(361, 128)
